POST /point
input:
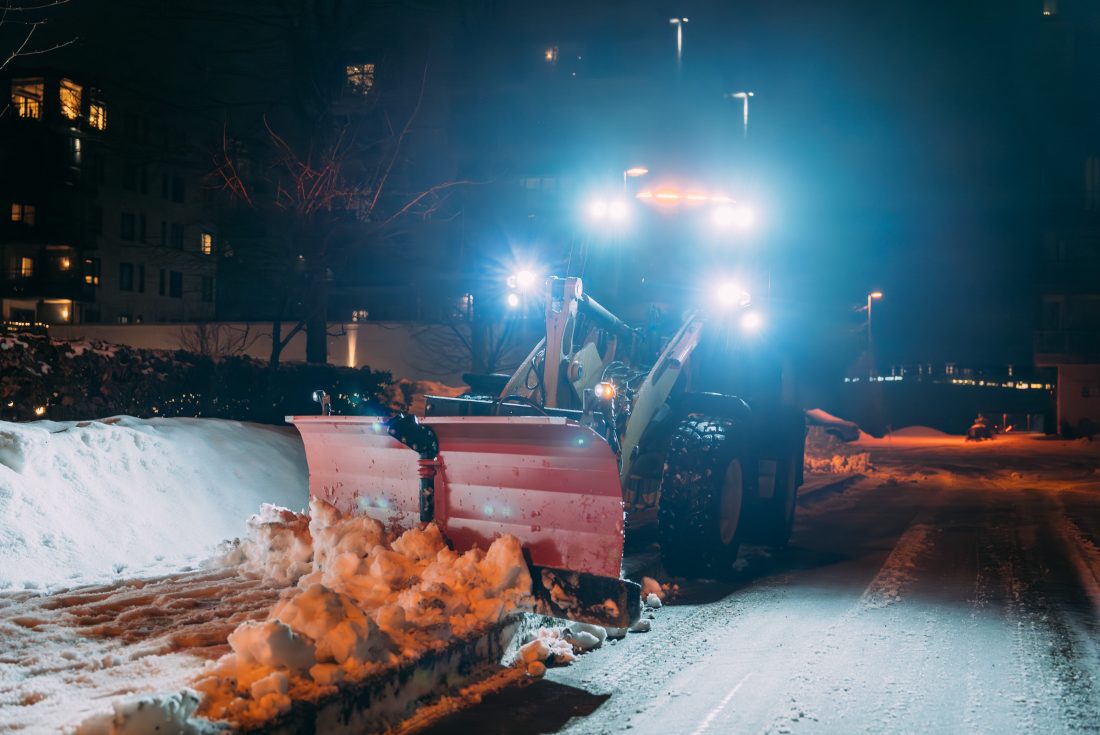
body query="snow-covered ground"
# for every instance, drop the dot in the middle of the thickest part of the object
(92, 501)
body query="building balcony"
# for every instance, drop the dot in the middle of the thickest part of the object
(1067, 347)
(14, 284)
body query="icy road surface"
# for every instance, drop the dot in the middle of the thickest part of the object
(956, 589)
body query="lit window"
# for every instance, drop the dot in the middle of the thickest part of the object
(26, 267)
(64, 263)
(551, 55)
(207, 243)
(97, 116)
(22, 213)
(26, 97)
(91, 271)
(70, 99)
(360, 79)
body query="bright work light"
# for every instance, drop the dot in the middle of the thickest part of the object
(751, 321)
(729, 295)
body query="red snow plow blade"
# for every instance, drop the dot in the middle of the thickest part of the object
(548, 481)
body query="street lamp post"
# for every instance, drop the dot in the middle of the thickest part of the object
(633, 172)
(679, 23)
(871, 297)
(744, 97)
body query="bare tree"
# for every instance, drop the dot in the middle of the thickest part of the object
(20, 24)
(311, 148)
(478, 346)
(216, 340)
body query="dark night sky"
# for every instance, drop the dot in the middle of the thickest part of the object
(899, 135)
(891, 141)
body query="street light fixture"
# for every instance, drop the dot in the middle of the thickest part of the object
(871, 298)
(744, 97)
(679, 23)
(633, 172)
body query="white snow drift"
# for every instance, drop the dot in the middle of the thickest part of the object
(86, 501)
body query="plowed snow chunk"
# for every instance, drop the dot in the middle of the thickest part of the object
(547, 646)
(365, 601)
(652, 600)
(587, 636)
(139, 715)
(278, 548)
(641, 626)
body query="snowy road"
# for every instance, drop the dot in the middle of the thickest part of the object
(955, 590)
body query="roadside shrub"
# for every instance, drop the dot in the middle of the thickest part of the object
(72, 381)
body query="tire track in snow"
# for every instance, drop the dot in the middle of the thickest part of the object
(894, 575)
(1082, 552)
(706, 723)
(1055, 661)
(898, 570)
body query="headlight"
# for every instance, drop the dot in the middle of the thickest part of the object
(751, 321)
(731, 295)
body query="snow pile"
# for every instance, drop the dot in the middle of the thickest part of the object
(86, 501)
(825, 453)
(844, 430)
(367, 600)
(278, 548)
(553, 646)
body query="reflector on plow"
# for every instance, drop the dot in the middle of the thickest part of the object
(548, 481)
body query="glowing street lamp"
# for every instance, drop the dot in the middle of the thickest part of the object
(633, 173)
(679, 23)
(871, 297)
(744, 97)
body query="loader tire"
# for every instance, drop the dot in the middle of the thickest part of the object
(703, 491)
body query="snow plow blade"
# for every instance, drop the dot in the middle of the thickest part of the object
(548, 481)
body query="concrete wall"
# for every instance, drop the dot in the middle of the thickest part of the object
(406, 349)
(1078, 394)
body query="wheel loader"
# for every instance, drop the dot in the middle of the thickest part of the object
(601, 427)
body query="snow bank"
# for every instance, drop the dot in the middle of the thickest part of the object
(826, 453)
(85, 501)
(367, 600)
(843, 430)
